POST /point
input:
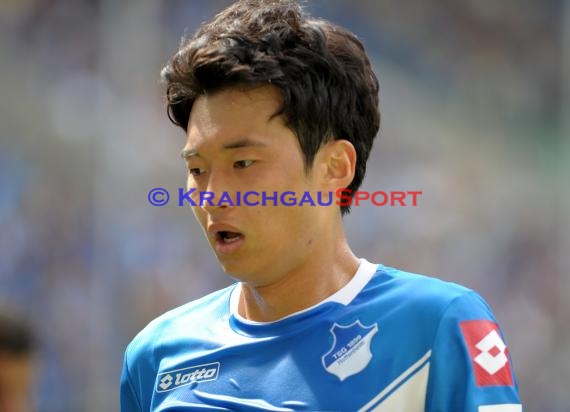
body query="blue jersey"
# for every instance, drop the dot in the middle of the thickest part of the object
(387, 341)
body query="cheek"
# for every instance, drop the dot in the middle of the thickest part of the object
(200, 215)
(285, 226)
(287, 181)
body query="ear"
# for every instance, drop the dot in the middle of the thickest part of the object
(336, 164)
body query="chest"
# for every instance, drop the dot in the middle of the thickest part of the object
(333, 366)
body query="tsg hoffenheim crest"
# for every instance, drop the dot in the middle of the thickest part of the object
(350, 352)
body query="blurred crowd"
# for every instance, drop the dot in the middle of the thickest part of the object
(473, 115)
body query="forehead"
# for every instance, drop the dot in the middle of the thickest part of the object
(234, 112)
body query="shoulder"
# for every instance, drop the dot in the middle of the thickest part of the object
(176, 331)
(194, 316)
(422, 292)
(426, 302)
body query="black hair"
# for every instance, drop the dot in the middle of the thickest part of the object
(327, 84)
(16, 337)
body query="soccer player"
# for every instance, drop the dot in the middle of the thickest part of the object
(16, 365)
(273, 100)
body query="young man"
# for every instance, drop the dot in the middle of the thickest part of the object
(17, 365)
(272, 100)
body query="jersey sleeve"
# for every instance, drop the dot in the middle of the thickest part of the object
(471, 369)
(129, 400)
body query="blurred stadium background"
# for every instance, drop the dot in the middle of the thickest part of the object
(475, 100)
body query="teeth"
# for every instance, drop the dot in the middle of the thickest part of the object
(229, 237)
(231, 240)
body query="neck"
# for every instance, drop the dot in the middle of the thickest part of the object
(315, 279)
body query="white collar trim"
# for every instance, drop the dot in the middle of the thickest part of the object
(343, 296)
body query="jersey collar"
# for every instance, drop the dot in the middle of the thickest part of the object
(343, 296)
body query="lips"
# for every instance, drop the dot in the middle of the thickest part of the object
(226, 239)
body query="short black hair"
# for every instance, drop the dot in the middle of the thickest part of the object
(16, 337)
(328, 87)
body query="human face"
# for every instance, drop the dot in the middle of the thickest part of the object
(16, 372)
(236, 144)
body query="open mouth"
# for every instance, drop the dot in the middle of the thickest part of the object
(227, 237)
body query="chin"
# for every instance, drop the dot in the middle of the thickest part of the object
(244, 273)
(236, 268)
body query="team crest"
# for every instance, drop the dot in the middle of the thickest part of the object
(350, 352)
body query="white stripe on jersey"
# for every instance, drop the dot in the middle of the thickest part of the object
(410, 396)
(510, 407)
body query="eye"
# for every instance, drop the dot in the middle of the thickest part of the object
(196, 171)
(242, 164)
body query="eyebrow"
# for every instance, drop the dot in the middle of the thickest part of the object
(238, 144)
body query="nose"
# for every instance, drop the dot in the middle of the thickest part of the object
(216, 194)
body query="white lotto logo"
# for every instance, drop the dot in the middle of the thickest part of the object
(492, 363)
(171, 380)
